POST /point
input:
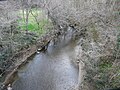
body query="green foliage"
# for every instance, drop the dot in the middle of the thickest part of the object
(32, 24)
(104, 65)
(108, 77)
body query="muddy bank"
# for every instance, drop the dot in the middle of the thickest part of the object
(20, 58)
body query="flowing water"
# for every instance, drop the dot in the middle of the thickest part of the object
(52, 70)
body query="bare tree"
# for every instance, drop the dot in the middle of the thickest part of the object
(96, 22)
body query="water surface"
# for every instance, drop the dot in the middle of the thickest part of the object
(52, 70)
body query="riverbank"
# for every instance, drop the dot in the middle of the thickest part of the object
(12, 46)
(20, 58)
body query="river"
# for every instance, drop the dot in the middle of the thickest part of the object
(50, 70)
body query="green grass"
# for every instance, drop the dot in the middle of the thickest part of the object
(32, 25)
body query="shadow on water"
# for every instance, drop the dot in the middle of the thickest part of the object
(51, 70)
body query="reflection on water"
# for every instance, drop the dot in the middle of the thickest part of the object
(52, 70)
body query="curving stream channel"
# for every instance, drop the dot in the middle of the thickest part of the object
(52, 70)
